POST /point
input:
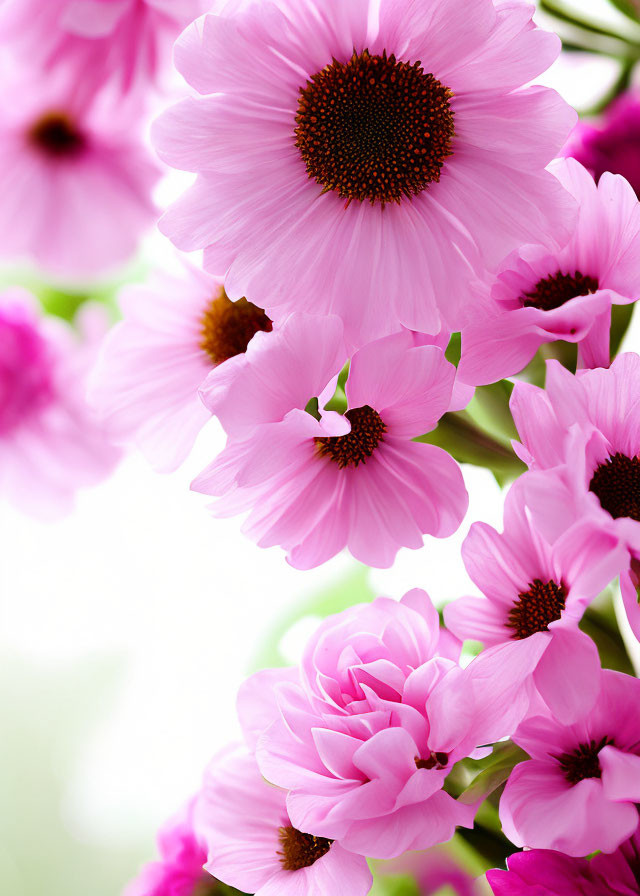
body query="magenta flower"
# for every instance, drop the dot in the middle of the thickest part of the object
(379, 716)
(541, 872)
(314, 485)
(535, 590)
(122, 41)
(175, 330)
(578, 791)
(252, 844)
(355, 201)
(612, 143)
(76, 181)
(542, 293)
(50, 443)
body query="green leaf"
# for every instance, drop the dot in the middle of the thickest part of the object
(500, 765)
(620, 319)
(559, 11)
(628, 8)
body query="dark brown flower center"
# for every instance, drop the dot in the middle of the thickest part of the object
(616, 484)
(301, 850)
(366, 433)
(583, 762)
(435, 760)
(228, 327)
(536, 608)
(56, 135)
(374, 128)
(554, 291)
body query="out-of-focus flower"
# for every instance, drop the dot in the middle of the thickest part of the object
(315, 484)
(76, 181)
(127, 42)
(146, 380)
(581, 437)
(50, 443)
(578, 791)
(338, 146)
(253, 845)
(538, 590)
(542, 872)
(612, 143)
(380, 714)
(542, 293)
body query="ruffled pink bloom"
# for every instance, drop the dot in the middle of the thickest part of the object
(124, 41)
(541, 872)
(581, 437)
(309, 207)
(613, 142)
(50, 443)
(542, 293)
(76, 181)
(252, 844)
(536, 590)
(313, 485)
(379, 714)
(175, 330)
(577, 793)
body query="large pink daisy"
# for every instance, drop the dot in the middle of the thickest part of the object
(360, 161)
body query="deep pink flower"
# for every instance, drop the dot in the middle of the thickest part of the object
(538, 590)
(613, 142)
(176, 328)
(542, 872)
(379, 715)
(50, 443)
(313, 485)
(581, 437)
(124, 41)
(310, 206)
(578, 791)
(76, 181)
(253, 845)
(542, 293)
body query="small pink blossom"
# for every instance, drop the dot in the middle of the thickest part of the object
(50, 443)
(252, 844)
(543, 293)
(315, 484)
(176, 329)
(337, 217)
(75, 178)
(577, 793)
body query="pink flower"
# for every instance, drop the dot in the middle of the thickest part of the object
(542, 293)
(541, 872)
(317, 484)
(536, 590)
(253, 845)
(613, 142)
(378, 717)
(577, 792)
(123, 41)
(310, 206)
(75, 180)
(175, 330)
(581, 436)
(50, 443)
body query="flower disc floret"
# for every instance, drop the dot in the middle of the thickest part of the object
(616, 484)
(553, 291)
(228, 327)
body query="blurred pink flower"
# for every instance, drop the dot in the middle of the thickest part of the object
(176, 328)
(538, 590)
(541, 872)
(76, 181)
(543, 293)
(577, 793)
(50, 443)
(314, 485)
(381, 712)
(253, 845)
(310, 207)
(127, 42)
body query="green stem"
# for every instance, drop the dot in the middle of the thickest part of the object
(559, 12)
